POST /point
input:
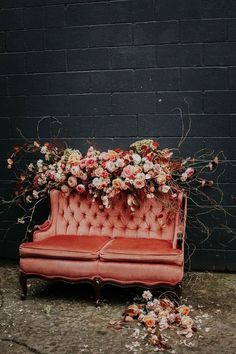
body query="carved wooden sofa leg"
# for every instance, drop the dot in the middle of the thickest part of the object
(97, 286)
(23, 284)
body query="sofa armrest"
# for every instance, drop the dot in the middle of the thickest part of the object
(47, 229)
(180, 223)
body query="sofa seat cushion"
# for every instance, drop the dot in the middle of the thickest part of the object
(65, 247)
(142, 250)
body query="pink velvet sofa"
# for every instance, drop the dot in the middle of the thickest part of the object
(81, 242)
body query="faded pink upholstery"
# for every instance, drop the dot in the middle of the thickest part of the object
(147, 250)
(65, 247)
(78, 215)
(80, 241)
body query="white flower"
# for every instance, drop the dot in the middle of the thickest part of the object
(28, 199)
(31, 167)
(20, 220)
(40, 163)
(147, 295)
(148, 165)
(164, 188)
(110, 166)
(136, 158)
(184, 177)
(35, 194)
(44, 149)
(120, 163)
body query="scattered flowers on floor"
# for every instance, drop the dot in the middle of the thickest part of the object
(156, 316)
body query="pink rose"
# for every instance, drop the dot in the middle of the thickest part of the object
(72, 181)
(90, 162)
(139, 183)
(127, 171)
(80, 188)
(190, 171)
(65, 190)
(117, 183)
(104, 156)
(110, 166)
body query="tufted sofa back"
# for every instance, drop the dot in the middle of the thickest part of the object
(78, 215)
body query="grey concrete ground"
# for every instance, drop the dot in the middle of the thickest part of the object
(61, 318)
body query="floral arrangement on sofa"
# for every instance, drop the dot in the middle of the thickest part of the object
(144, 170)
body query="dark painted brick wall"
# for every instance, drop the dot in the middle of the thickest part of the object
(115, 71)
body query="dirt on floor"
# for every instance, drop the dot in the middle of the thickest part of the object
(61, 318)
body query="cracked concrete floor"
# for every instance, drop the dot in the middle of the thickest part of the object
(61, 318)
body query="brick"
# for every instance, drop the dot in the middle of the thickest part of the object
(210, 260)
(159, 124)
(7, 4)
(54, 16)
(172, 102)
(75, 126)
(232, 77)
(34, 17)
(67, 38)
(12, 106)
(35, 2)
(133, 103)
(87, 14)
(203, 31)
(230, 260)
(28, 127)
(156, 32)
(27, 85)
(218, 8)
(45, 61)
(203, 79)
(11, 19)
(220, 54)
(232, 30)
(88, 59)
(193, 144)
(53, 2)
(112, 81)
(220, 102)
(113, 126)
(68, 83)
(178, 9)
(121, 11)
(156, 79)
(230, 173)
(110, 35)
(11, 63)
(90, 104)
(171, 125)
(20, 41)
(142, 10)
(93, 126)
(133, 57)
(46, 105)
(220, 238)
(210, 125)
(179, 55)
(2, 86)
(5, 131)
(2, 42)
